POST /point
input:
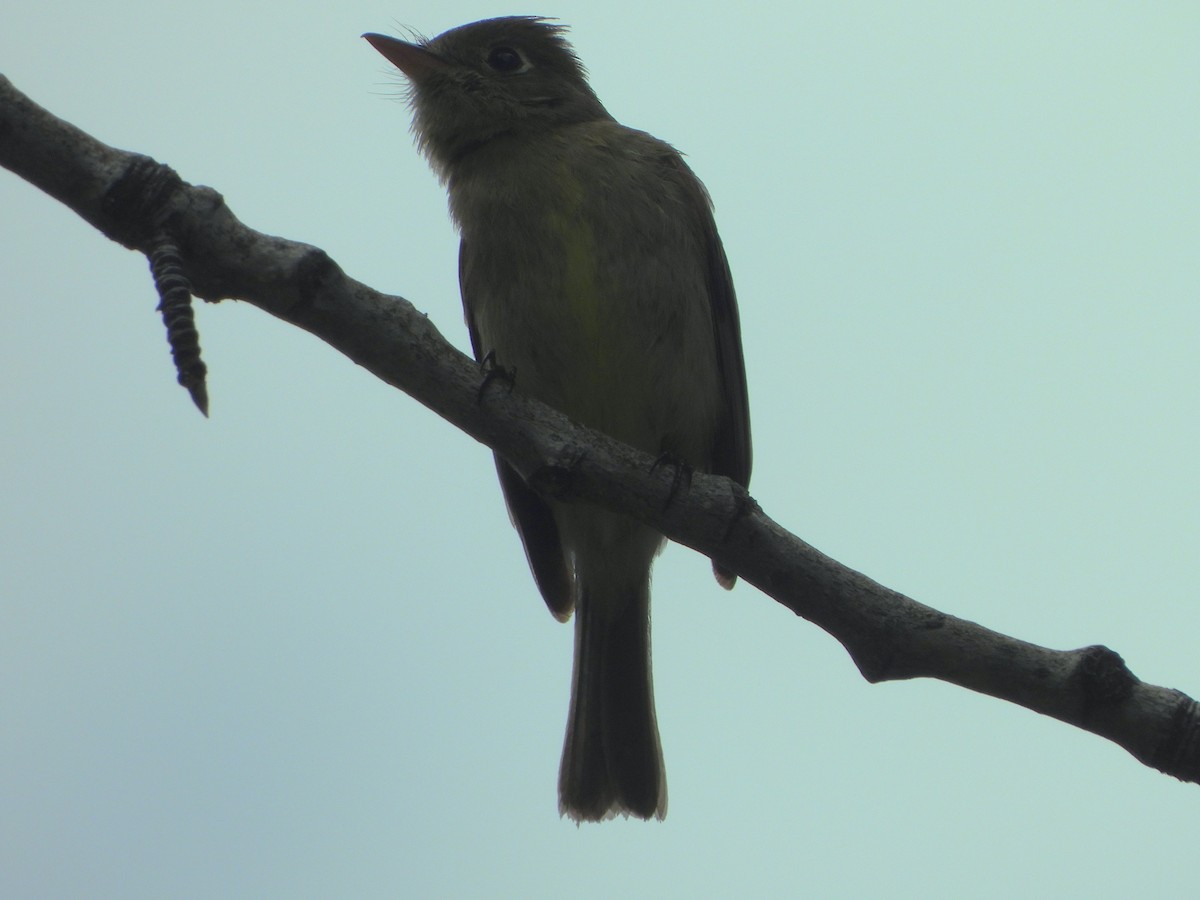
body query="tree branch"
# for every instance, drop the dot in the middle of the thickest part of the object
(131, 199)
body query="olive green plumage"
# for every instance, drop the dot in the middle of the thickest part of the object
(591, 267)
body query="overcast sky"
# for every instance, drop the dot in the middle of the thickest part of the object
(295, 650)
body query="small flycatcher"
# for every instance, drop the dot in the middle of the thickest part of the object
(590, 267)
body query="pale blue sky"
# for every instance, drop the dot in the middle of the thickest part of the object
(294, 651)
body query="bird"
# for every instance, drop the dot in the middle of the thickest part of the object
(591, 270)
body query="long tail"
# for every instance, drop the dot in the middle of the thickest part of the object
(612, 759)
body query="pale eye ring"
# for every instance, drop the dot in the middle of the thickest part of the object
(507, 60)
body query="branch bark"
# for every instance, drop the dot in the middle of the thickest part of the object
(131, 198)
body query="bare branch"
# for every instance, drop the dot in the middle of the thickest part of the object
(130, 197)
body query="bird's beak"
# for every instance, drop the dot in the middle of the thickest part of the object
(415, 62)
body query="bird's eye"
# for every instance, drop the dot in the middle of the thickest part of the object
(505, 59)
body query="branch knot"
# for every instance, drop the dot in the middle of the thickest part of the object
(137, 202)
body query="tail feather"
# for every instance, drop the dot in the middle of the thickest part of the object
(612, 758)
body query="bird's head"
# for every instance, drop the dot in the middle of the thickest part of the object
(510, 76)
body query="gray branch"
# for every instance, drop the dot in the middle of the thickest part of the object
(131, 198)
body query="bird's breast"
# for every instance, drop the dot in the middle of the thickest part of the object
(595, 297)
